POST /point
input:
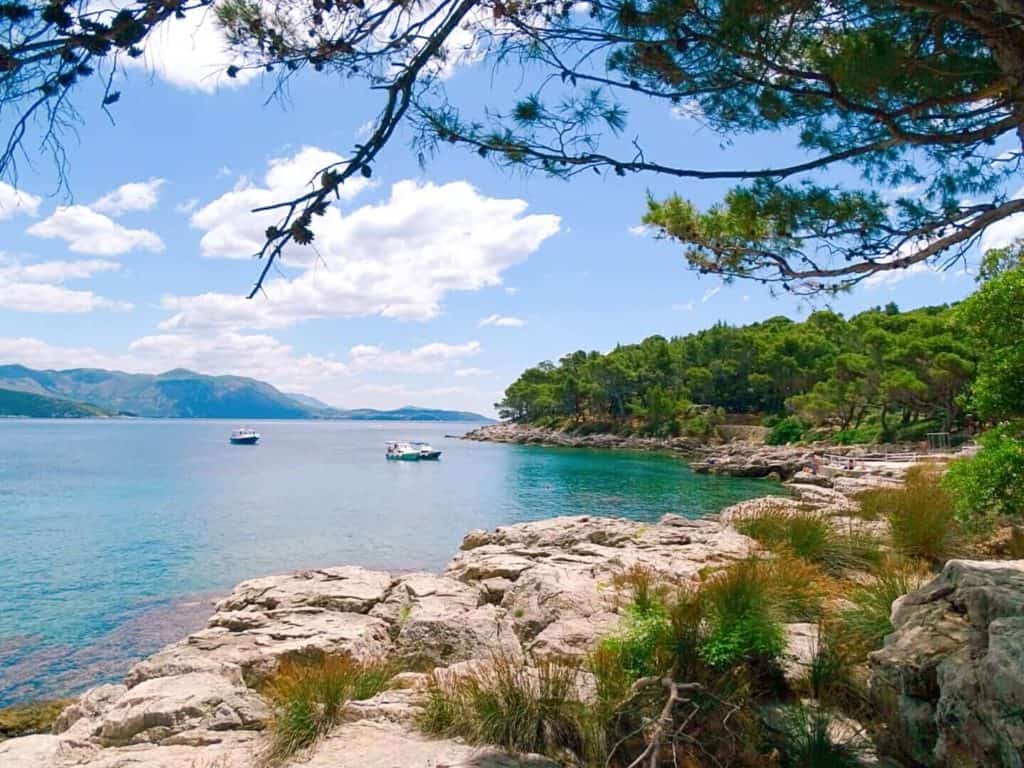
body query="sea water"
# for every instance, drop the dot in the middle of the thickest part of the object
(115, 535)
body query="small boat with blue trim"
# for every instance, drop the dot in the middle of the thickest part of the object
(244, 436)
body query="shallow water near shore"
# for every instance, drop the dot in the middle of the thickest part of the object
(115, 534)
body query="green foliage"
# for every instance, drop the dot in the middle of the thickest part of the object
(990, 483)
(523, 709)
(811, 536)
(864, 624)
(743, 621)
(993, 315)
(921, 515)
(14, 403)
(877, 375)
(788, 430)
(808, 741)
(308, 696)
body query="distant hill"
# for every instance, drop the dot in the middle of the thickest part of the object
(41, 407)
(180, 394)
(411, 413)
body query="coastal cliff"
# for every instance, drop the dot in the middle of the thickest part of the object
(537, 593)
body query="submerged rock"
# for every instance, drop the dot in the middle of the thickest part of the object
(952, 672)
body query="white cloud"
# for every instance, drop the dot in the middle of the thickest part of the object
(1004, 232)
(233, 231)
(746, 298)
(687, 307)
(57, 271)
(36, 353)
(640, 230)
(424, 359)
(13, 202)
(398, 258)
(254, 355)
(87, 231)
(466, 372)
(893, 277)
(134, 196)
(191, 53)
(511, 290)
(47, 298)
(35, 287)
(710, 293)
(187, 206)
(504, 322)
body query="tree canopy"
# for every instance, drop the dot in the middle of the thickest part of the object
(896, 369)
(926, 95)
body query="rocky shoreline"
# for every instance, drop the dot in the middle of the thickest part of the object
(548, 589)
(735, 458)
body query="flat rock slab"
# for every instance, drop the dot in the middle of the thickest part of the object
(382, 745)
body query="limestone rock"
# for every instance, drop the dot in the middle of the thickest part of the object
(165, 706)
(346, 588)
(38, 751)
(801, 647)
(441, 620)
(386, 745)
(954, 666)
(90, 704)
(255, 651)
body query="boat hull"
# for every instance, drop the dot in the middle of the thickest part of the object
(244, 440)
(430, 456)
(404, 457)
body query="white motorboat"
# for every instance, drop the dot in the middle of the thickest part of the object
(244, 436)
(402, 451)
(428, 452)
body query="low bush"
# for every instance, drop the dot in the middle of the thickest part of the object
(990, 483)
(788, 430)
(812, 537)
(521, 708)
(308, 696)
(921, 516)
(742, 615)
(808, 741)
(864, 624)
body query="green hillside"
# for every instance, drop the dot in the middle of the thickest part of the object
(14, 403)
(184, 394)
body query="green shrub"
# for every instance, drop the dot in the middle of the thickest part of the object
(812, 537)
(990, 483)
(524, 709)
(808, 741)
(921, 516)
(308, 696)
(743, 622)
(865, 623)
(788, 430)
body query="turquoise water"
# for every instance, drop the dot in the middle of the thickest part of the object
(114, 534)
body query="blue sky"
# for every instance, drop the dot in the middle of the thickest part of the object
(432, 286)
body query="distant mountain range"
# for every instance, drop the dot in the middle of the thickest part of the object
(177, 394)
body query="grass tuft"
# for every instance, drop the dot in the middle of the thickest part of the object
(521, 708)
(811, 536)
(865, 623)
(810, 742)
(309, 695)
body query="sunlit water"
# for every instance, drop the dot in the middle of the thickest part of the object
(114, 534)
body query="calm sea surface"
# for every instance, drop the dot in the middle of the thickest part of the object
(114, 535)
